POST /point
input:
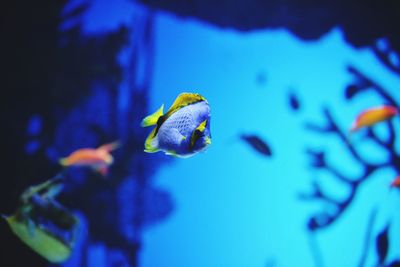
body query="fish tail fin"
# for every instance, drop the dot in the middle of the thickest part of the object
(110, 146)
(151, 143)
(63, 162)
(153, 118)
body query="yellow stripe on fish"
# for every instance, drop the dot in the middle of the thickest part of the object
(196, 133)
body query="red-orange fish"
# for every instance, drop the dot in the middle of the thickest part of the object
(372, 116)
(396, 182)
(98, 159)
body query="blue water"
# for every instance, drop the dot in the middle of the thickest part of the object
(234, 207)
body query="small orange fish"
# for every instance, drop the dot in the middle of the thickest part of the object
(372, 116)
(98, 159)
(395, 182)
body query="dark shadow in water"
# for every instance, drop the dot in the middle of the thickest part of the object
(62, 92)
(385, 142)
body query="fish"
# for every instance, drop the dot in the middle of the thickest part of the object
(183, 130)
(43, 224)
(294, 101)
(258, 144)
(39, 240)
(395, 182)
(99, 159)
(373, 116)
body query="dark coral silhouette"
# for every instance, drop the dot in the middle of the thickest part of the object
(361, 85)
(331, 128)
(63, 93)
(129, 201)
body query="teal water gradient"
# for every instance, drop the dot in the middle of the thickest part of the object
(235, 208)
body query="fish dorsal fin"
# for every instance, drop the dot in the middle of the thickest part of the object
(183, 100)
(110, 146)
(196, 133)
(153, 118)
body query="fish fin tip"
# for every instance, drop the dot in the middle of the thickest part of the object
(63, 162)
(152, 119)
(208, 140)
(151, 150)
(110, 146)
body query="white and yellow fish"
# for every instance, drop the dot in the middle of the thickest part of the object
(184, 130)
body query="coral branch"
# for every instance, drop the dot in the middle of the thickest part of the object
(332, 127)
(367, 240)
(390, 141)
(383, 56)
(318, 194)
(373, 86)
(372, 135)
(318, 161)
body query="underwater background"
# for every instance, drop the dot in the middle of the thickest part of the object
(282, 184)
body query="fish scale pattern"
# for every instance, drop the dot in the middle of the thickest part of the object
(181, 120)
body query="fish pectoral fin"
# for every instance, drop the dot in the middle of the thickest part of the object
(183, 100)
(153, 118)
(151, 143)
(202, 126)
(197, 132)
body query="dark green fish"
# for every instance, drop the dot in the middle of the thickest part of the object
(258, 144)
(43, 224)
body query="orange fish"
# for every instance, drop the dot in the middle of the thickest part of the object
(372, 116)
(396, 182)
(98, 159)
